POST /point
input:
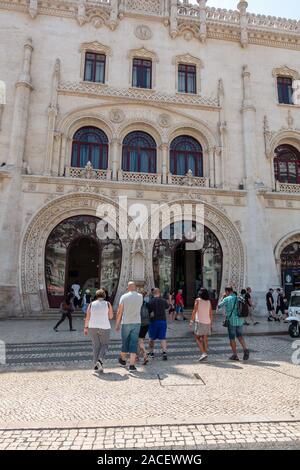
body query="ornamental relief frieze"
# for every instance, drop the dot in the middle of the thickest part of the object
(183, 19)
(95, 90)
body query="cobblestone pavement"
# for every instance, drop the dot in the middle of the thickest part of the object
(236, 436)
(80, 352)
(50, 397)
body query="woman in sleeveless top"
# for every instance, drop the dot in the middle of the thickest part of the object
(97, 324)
(202, 320)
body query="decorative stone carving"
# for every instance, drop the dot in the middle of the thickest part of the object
(116, 115)
(230, 240)
(33, 8)
(81, 13)
(202, 17)
(164, 120)
(285, 71)
(143, 53)
(89, 172)
(132, 94)
(32, 250)
(290, 120)
(95, 46)
(242, 7)
(143, 32)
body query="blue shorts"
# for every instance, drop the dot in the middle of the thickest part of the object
(158, 330)
(235, 332)
(130, 337)
(179, 309)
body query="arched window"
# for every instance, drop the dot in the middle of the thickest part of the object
(287, 164)
(186, 154)
(90, 145)
(139, 153)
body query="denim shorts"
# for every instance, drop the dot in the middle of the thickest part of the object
(234, 332)
(130, 337)
(179, 309)
(158, 330)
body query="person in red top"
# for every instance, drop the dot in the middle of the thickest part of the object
(179, 305)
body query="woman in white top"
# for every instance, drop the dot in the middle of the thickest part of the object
(97, 324)
(202, 318)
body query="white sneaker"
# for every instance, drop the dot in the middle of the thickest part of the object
(99, 366)
(202, 357)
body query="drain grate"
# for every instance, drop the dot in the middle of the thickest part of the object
(180, 380)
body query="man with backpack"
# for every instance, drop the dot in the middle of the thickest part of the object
(234, 321)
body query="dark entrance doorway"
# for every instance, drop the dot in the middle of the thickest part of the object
(83, 266)
(178, 265)
(75, 255)
(290, 268)
(187, 272)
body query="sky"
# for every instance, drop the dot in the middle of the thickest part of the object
(284, 9)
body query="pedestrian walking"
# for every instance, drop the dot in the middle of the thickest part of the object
(66, 310)
(145, 321)
(280, 307)
(179, 305)
(129, 315)
(172, 310)
(158, 323)
(97, 325)
(249, 302)
(86, 300)
(234, 323)
(270, 305)
(202, 318)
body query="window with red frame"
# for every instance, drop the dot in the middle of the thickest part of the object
(139, 153)
(142, 73)
(285, 90)
(287, 164)
(90, 144)
(186, 154)
(94, 70)
(187, 82)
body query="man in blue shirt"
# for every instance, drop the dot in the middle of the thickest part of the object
(235, 323)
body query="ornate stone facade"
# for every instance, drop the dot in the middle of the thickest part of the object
(234, 115)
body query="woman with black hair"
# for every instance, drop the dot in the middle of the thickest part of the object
(202, 320)
(66, 310)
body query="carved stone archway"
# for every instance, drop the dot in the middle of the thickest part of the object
(234, 261)
(32, 256)
(284, 243)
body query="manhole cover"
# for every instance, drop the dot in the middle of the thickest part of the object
(180, 380)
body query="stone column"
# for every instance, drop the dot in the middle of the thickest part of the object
(242, 7)
(261, 267)
(11, 227)
(21, 110)
(202, 11)
(62, 158)
(164, 162)
(211, 170)
(222, 127)
(115, 147)
(114, 13)
(173, 18)
(248, 112)
(52, 114)
(33, 8)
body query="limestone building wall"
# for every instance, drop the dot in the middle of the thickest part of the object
(235, 115)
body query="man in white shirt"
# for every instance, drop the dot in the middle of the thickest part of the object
(129, 315)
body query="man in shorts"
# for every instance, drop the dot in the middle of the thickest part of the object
(235, 323)
(158, 323)
(129, 314)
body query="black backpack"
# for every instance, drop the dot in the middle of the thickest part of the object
(243, 308)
